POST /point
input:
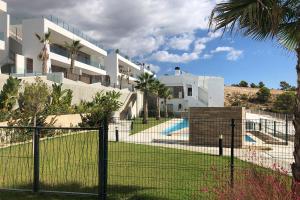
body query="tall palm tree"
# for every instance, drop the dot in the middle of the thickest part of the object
(144, 83)
(263, 19)
(166, 94)
(157, 89)
(44, 54)
(73, 50)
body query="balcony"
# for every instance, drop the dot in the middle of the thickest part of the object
(63, 52)
(73, 30)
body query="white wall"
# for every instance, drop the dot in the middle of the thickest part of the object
(31, 46)
(4, 27)
(216, 92)
(111, 66)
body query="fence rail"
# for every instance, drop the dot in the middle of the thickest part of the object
(173, 158)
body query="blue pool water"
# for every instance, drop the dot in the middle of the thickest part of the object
(249, 139)
(184, 123)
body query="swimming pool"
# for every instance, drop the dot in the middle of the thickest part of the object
(249, 139)
(184, 123)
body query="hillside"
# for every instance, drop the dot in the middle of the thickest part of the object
(242, 96)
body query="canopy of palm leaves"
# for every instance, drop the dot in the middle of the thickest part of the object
(44, 38)
(73, 47)
(157, 88)
(144, 82)
(166, 93)
(260, 19)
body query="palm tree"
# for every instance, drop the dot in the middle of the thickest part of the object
(73, 50)
(166, 94)
(157, 89)
(144, 84)
(44, 54)
(263, 19)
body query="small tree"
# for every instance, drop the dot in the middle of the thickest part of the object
(34, 104)
(243, 84)
(44, 54)
(60, 99)
(284, 85)
(73, 50)
(100, 109)
(166, 94)
(285, 102)
(253, 85)
(261, 84)
(157, 90)
(143, 84)
(263, 95)
(9, 94)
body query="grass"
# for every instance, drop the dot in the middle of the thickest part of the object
(138, 125)
(136, 172)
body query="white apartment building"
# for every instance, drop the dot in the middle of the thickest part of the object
(19, 49)
(189, 90)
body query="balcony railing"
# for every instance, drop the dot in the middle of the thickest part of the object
(72, 29)
(2, 36)
(64, 53)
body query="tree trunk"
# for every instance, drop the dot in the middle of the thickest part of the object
(72, 64)
(296, 164)
(145, 107)
(44, 69)
(157, 109)
(166, 108)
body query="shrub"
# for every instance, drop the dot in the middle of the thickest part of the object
(285, 102)
(263, 95)
(254, 183)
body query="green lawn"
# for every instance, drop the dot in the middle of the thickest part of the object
(138, 125)
(136, 172)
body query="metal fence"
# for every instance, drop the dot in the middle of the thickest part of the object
(174, 158)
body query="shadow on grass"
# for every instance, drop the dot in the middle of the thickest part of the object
(115, 192)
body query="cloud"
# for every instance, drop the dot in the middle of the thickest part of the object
(232, 53)
(154, 68)
(181, 42)
(165, 56)
(135, 27)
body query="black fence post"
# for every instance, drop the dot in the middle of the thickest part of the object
(266, 124)
(102, 165)
(286, 130)
(232, 153)
(117, 134)
(36, 159)
(260, 122)
(274, 128)
(221, 145)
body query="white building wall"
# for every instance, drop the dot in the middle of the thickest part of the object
(31, 46)
(216, 92)
(4, 27)
(111, 66)
(20, 64)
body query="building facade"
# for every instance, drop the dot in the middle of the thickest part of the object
(19, 50)
(189, 90)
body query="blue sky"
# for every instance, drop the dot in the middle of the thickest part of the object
(260, 61)
(169, 33)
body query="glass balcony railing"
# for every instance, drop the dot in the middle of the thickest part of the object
(64, 53)
(2, 36)
(73, 30)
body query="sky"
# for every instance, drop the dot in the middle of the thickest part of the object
(170, 33)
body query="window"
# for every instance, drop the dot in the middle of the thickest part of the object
(190, 91)
(179, 106)
(29, 65)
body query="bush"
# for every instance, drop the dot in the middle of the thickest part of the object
(285, 102)
(254, 183)
(263, 95)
